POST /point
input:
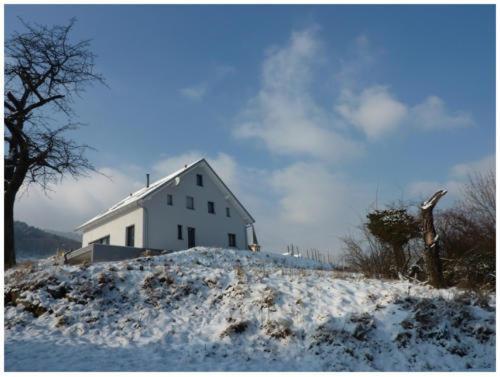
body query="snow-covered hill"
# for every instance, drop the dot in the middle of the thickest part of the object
(213, 309)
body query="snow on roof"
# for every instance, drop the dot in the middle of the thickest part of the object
(139, 194)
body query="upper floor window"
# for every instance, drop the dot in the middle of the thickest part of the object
(228, 212)
(189, 202)
(231, 239)
(211, 207)
(199, 179)
(130, 235)
(170, 200)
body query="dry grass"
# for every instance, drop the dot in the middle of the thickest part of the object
(235, 328)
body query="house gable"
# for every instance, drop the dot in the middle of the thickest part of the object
(194, 200)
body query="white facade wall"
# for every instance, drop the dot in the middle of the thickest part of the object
(210, 229)
(115, 228)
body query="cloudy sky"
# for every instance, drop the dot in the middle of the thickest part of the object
(311, 114)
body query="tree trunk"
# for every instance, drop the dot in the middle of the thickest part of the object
(9, 196)
(9, 246)
(431, 253)
(399, 257)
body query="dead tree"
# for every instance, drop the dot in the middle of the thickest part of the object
(43, 70)
(431, 253)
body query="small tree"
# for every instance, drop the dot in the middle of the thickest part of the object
(43, 71)
(394, 227)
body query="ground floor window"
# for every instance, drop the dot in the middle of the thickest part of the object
(179, 232)
(101, 241)
(130, 236)
(231, 239)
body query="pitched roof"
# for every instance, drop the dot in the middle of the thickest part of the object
(145, 191)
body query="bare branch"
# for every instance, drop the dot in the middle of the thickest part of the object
(43, 71)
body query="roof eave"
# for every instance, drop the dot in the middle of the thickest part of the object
(108, 216)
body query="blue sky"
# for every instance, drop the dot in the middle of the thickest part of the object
(309, 112)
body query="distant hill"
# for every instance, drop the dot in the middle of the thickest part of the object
(33, 243)
(71, 235)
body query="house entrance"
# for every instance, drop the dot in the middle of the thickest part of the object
(191, 237)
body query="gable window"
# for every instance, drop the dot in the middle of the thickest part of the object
(130, 235)
(231, 239)
(170, 200)
(189, 202)
(228, 212)
(211, 207)
(199, 179)
(179, 232)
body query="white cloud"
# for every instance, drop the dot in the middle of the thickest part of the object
(482, 166)
(375, 110)
(284, 114)
(195, 93)
(199, 91)
(432, 114)
(289, 120)
(309, 206)
(309, 193)
(453, 182)
(355, 65)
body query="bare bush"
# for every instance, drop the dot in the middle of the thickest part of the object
(369, 256)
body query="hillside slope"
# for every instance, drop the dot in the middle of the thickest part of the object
(213, 309)
(34, 243)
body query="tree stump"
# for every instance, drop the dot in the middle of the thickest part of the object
(431, 253)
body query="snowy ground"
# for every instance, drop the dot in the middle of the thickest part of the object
(212, 309)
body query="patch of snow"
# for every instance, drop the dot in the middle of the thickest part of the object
(224, 309)
(430, 202)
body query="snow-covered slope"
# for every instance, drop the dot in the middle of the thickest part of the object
(213, 309)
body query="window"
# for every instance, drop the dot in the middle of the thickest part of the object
(199, 179)
(130, 235)
(189, 202)
(228, 212)
(170, 200)
(101, 241)
(211, 207)
(179, 232)
(231, 239)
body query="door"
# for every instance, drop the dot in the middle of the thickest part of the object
(130, 236)
(191, 237)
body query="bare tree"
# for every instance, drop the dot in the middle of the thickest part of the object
(43, 71)
(431, 239)
(479, 199)
(467, 235)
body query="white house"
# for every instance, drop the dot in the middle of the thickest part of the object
(191, 207)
